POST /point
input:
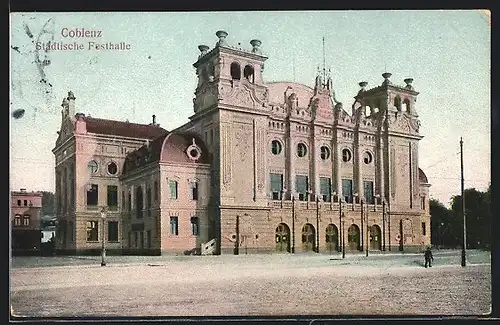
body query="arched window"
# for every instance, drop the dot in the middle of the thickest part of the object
(301, 150)
(248, 73)
(235, 71)
(397, 103)
(324, 152)
(276, 147)
(406, 105)
(346, 155)
(139, 203)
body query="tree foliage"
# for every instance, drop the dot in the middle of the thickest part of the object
(447, 224)
(48, 203)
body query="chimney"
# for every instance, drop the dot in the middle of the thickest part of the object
(154, 119)
(71, 103)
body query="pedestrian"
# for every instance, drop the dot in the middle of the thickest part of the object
(428, 257)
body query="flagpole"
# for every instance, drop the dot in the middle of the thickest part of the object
(463, 201)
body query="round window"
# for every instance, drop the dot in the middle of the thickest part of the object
(112, 168)
(346, 155)
(276, 147)
(194, 153)
(325, 153)
(301, 150)
(92, 166)
(367, 157)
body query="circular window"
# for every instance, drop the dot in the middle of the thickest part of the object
(325, 153)
(276, 147)
(367, 157)
(112, 168)
(346, 155)
(92, 166)
(194, 153)
(301, 150)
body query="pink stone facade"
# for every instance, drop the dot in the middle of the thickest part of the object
(260, 166)
(26, 208)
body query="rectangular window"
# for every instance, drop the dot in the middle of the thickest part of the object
(156, 190)
(148, 201)
(422, 202)
(112, 197)
(25, 203)
(113, 231)
(92, 231)
(194, 191)
(276, 185)
(129, 202)
(347, 190)
(92, 195)
(174, 226)
(19, 202)
(172, 185)
(71, 231)
(195, 226)
(368, 190)
(325, 188)
(148, 234)
(123, 201)
(423, 228)
(26, 220)
(301, 186)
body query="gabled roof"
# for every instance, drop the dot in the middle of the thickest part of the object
(124, 129)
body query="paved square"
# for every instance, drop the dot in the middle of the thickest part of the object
(252, 285)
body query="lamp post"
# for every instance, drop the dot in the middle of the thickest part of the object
(237, 243)
(293, 222)
(367, 232)
(383, 225)
(103, 247)
(343, 237)
(464, 244)
(362, 226)
(317, 224)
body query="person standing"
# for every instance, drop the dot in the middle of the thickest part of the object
(428, 257)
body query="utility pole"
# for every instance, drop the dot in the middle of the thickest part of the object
(463, 199)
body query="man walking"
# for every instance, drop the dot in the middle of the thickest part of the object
(428, 257)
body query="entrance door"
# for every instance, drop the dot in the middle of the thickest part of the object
(375, 238)
(282, 238)
(353, 237)
(332, 235)
(308, 238)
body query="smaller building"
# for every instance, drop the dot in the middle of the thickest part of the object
(26, 210)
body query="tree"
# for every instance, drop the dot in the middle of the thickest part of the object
(478, 216)
(443, 225)
(48, 203)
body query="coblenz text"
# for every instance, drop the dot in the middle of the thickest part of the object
(80, 32)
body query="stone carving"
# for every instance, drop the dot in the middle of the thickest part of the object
(242, 138)
(226, 155)
(242, 98)
(414, 124)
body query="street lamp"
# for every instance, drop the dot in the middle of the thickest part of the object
(362, 227)
(367, 232)
(343, 236)
(317, 223)
(383, 225)
(293, 221)
(103, 248)
(237, 243)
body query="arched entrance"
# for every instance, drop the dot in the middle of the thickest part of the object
(332, 235)
(308, 237)
(282, 238)
(375, 238)
(353, 237)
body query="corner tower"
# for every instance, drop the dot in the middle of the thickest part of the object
(392, 108)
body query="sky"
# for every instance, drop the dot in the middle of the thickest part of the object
(446, 52)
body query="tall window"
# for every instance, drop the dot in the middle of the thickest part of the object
(123, 200)
(422, 202)
(194, 191)
(235, 71)
(301, 186)
(92, 195)
(195, 226)
(17, 220)
(19, 202)
(139, 202)
(148, 240)
(148, 201)
(92, 231)
(325, 188)
(112, 197)
(172, 185)
(129, 201)
(26, 220)
(174, 226)
(156, 190)
(347, 190)
(113, 231)
(368, 190)
(276, 185)
(423, 228)
(25, 203)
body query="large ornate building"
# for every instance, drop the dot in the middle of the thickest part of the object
(260, 166)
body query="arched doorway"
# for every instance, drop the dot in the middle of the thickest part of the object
(308, 237)
(282, 238)
(332, 235)
(375, 238)
(353, 237)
